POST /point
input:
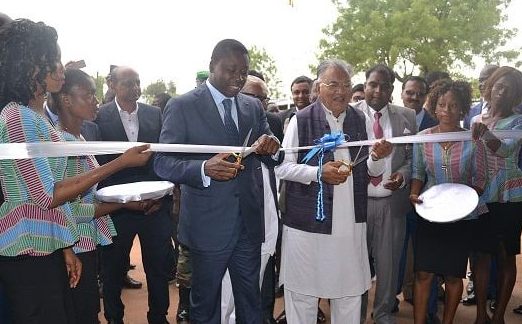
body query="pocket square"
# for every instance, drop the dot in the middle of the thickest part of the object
(406, 132)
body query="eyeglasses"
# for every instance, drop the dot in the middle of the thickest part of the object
(262, 99)
(357, 98)
(413, 93)
(334, 85)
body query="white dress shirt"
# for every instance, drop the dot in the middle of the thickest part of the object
(130, 122)
(379, 190)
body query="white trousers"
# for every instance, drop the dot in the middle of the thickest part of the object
(228, 316)
(302, 309)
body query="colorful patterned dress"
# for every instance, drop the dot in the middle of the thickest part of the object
(462, 162)
(28, 226)
(505, 176)
(443, 248)
(501, 227)
(92, 231)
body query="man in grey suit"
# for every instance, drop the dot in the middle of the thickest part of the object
(387, 195)
(125, 119)
(221, 217)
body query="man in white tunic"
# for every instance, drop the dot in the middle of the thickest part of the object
(329, 258)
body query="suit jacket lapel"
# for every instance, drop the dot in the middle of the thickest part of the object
(143, 122)
(209, 111)
(395, 121)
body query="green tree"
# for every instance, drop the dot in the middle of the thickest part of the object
(159, 87)
(265, 64)
(418, 34)
(473, 81)
(99, 81)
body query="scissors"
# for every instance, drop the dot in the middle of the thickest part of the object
(350, 165)
(239, 157)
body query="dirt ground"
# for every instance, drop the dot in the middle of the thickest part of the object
(136, 300)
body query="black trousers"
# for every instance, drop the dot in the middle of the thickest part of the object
(37, 289)
(268, 289)
(154, 232)
(86, 297)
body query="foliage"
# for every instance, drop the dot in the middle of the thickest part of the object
(265, 64)
(426, 35)
(159, 87)
(99, 80)
(473, 81)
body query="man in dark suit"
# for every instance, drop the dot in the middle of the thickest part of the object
(125, 119)
(413, 95)
(221, 218)
(301, 88)
(482, 105)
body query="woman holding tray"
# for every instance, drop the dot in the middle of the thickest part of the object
(37, 227)
(76, 103)
(443, 248)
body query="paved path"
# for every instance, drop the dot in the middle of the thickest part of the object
(136, 300)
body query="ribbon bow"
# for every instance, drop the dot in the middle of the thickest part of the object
(324, 145)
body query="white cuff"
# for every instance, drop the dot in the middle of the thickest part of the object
(204, 178)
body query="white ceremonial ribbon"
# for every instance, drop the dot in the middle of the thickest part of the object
(10, 151)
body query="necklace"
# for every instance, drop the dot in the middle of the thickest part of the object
(445, 145)
(445, 161)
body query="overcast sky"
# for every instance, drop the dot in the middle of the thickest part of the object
(173, 39)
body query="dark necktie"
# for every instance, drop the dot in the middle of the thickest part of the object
(230, 126)
(377, 131)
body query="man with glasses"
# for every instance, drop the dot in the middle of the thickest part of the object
(414, 93)
(388, 201)
(328, 258)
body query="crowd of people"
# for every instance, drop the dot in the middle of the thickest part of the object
(242, 229)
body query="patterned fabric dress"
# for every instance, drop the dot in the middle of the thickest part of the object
(462, 162)
(27, 224)
(505, 176)
(443, 248)
(92, 231)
